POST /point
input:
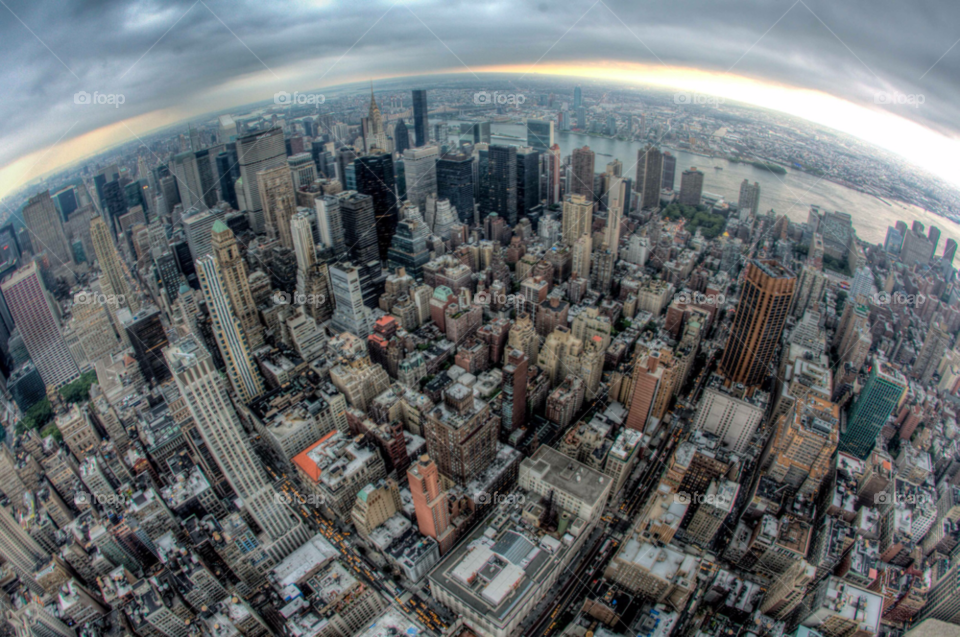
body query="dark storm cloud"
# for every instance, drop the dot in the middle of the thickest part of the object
(851, 49)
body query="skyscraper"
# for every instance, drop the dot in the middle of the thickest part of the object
(420, 116)
(227, 190)
(933, 234)
(691, 187)
(401, 137)
(408, 248)
(461, 434)
(359, 229)
(19, 549)
(233, 273)
(279, 202)
(420, 166)
(617, 197)
(145, 333)
(514, 406)
(502, 183)
(553, 166)
(935, 343)
(540, 134)
(577, 97)
(430, 503)
(376, 135)
(455, 183)
(761, 313)
(32, 310)
(879, 397)
(114, 278)
(577, 218)
(256, 153)
(669, 171)
(649, 176)
(186, 170)
(950, 251)
(375, 177)
(749, 201)
(199, 383)
(581, 182)
(528, 180)
(237, 357)
(41, 218)
(351, 313)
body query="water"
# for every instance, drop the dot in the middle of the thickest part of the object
(791, 194)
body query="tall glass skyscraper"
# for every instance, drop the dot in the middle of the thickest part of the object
(375, 177)
(502, 183)
(540, 134)
(359, 230)
(880, 395)
(420, 116)
(528, 180)
(455, 183)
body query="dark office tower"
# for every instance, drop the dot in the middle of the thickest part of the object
(169, 274)
(133, 193)
(918, 227)
(577, 97)
(455, 182)
(581, 182)
(950, 251)
(501, 183)
(669, 171)
(227, 191)
(114, 205)
(66, 202)
(514, 405)
(98, 183)
(148, 338)
(528, 180)
(209, 180)
(408, 249)
(308, 129)
(649, 176)
(691, 187)
(761, 313)
(170, 192)
(401, 137)
(345, 157)
(420, 116)
(933, 233)
(9, 262)
(181, 250)
(360, 233)
(375, 177)
(880, 395)
(540, 134)
(258, 152)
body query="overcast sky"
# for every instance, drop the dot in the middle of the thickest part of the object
(175, 59)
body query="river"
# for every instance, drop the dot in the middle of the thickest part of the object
(791, 194)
